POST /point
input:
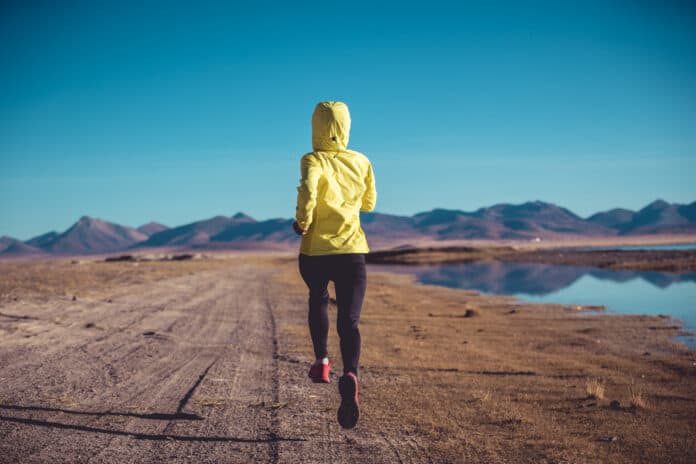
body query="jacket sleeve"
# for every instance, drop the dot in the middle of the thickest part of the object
(369, 198)
(310, 171)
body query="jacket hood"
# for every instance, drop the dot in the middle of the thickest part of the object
(330, 126)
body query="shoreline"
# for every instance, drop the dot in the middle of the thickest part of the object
(673, 261)
(686, 332)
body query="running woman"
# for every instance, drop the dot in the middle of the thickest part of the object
(336, 185)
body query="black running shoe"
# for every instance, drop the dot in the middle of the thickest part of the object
(348, 412)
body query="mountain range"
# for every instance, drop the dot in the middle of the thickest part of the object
(503, 221)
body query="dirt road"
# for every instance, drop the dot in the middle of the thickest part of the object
(186, 369)
(206, 361)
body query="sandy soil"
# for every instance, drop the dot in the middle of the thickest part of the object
(205, 361)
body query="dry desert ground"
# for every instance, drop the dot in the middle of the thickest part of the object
(206, 361)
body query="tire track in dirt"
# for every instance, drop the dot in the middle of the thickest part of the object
(96, 354)
(141, 306)
(246, 417)
(114, 414)
(71, 335)
(275, 380)
(210, 331)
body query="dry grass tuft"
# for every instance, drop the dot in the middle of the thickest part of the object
(637, 398)
(595, 389)
(482, 395)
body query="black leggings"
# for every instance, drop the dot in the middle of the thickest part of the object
(350, 279)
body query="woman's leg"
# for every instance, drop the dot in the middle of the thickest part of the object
(317, 281)
(350, 278)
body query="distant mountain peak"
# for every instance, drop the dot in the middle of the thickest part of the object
(657, 204)
(243, 217)
(12, 247)
(151, 228)
(88, 221)
(92, 235)
(153, 223)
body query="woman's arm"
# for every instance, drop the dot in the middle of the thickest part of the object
(310, 170)
(369, 198)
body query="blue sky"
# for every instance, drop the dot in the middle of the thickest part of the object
(178, 112)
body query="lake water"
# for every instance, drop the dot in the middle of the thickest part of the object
(621, 292)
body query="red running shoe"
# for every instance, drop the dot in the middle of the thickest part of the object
(348, 412)
(319, 372)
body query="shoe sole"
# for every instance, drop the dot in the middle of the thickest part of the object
(348, 412)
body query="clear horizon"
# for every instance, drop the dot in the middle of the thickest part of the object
(143, 113)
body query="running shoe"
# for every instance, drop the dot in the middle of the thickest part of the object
(319, 372)
(348, 412)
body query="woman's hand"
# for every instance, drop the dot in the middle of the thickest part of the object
(296, 228)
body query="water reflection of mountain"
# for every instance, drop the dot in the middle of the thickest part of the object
(528, 278)
(658, 279)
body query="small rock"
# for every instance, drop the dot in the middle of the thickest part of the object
(615, 405)
(148, 333)
(513, 311)
(608, 439)
(89, 325)
(74, 298)
(647, 353)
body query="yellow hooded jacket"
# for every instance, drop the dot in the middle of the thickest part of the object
(336, 185)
